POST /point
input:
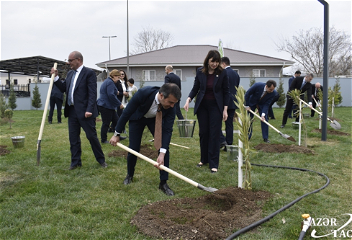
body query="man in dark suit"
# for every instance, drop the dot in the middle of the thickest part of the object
(260, 96)
(140, 112)
(171, 77)
(81, 108)
(234, 81)
(56, 98)
(297, 74)
(302, 84)
(315, 89)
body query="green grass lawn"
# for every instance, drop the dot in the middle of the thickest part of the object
(50, 202)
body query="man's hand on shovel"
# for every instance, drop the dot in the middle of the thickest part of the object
(114, 140)
(160, 160)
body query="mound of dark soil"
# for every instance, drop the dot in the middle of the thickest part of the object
(147, 150)
(3, 150)
(213, 216)
(279, 148)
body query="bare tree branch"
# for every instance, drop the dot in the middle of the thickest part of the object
(307, 48)
(150, 39)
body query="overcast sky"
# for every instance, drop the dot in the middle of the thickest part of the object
(56, 28)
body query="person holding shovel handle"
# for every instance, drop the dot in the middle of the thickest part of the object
(147, 106)
(260, 96)
(211, 86)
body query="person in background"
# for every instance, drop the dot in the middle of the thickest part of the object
(132, 89)
(125, 95)
(234, 81)
(302, 84)
(171, 77)
(211, 86)
(140, 112)
(80, 108)
(315, 89)
(56, 98)
(297, 74)
(107, 103)
(260, 96)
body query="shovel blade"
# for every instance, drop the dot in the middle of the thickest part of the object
(335, 125)
(288, 137)
(208, 189)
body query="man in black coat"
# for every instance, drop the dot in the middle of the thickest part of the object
(56, 98)
(234, 81)
(140, 112)
(81, 108)
(171, 77)
(315, 89)
(302, 84)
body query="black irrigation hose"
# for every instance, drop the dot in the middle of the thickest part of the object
(253, 225)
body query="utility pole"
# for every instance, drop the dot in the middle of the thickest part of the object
(109, 43)
(128, 47)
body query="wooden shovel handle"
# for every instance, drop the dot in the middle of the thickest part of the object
(155, 163)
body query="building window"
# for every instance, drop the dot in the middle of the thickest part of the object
(15, 82)
(178, 72)
(236, 70)
(259, 72)
(149, 75)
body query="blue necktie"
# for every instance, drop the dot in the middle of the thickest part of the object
(303, 83)
(69, 99)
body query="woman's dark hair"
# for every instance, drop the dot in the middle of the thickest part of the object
(215, 55)
(125, 78)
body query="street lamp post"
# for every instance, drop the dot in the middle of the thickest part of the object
(109, 43)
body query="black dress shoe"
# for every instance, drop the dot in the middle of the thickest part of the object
(200, 164)
(127, 180)
(74, 167)
(50, 122)
(165, 188)
(266, 140)
(122, 138)
(105, 142)
(104, 165)
(214, 170)
(282, 126)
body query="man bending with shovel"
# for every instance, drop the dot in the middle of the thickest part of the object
(146, 108)
(260, 96)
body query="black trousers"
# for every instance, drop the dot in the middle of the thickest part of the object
(228, 128)
(58, 102)
(74, 131)
(288, 109)
(210, 122)
(136, 128)
(107, 116)
(178, 111)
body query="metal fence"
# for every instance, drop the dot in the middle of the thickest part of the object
(22, 90)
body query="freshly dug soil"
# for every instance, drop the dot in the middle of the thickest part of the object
(147, 150)
(213, 216)
(279, 148)
(332, 132)
(3, 150)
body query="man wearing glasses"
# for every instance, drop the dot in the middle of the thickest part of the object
(80, 108)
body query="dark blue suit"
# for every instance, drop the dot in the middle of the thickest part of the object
(254, 99)
(209, 114)
(134, 113)
(290, 80)
(173, 78)
(56, 98)
(234, 81)
(84, 96)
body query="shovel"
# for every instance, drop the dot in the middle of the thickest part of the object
(174, 144)
(44, 115)
(162, 167)
(282, 134)
(333, 123)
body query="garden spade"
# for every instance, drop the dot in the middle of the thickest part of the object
(162, 167)
(282, 134)
(44, 114)
(333, 123)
